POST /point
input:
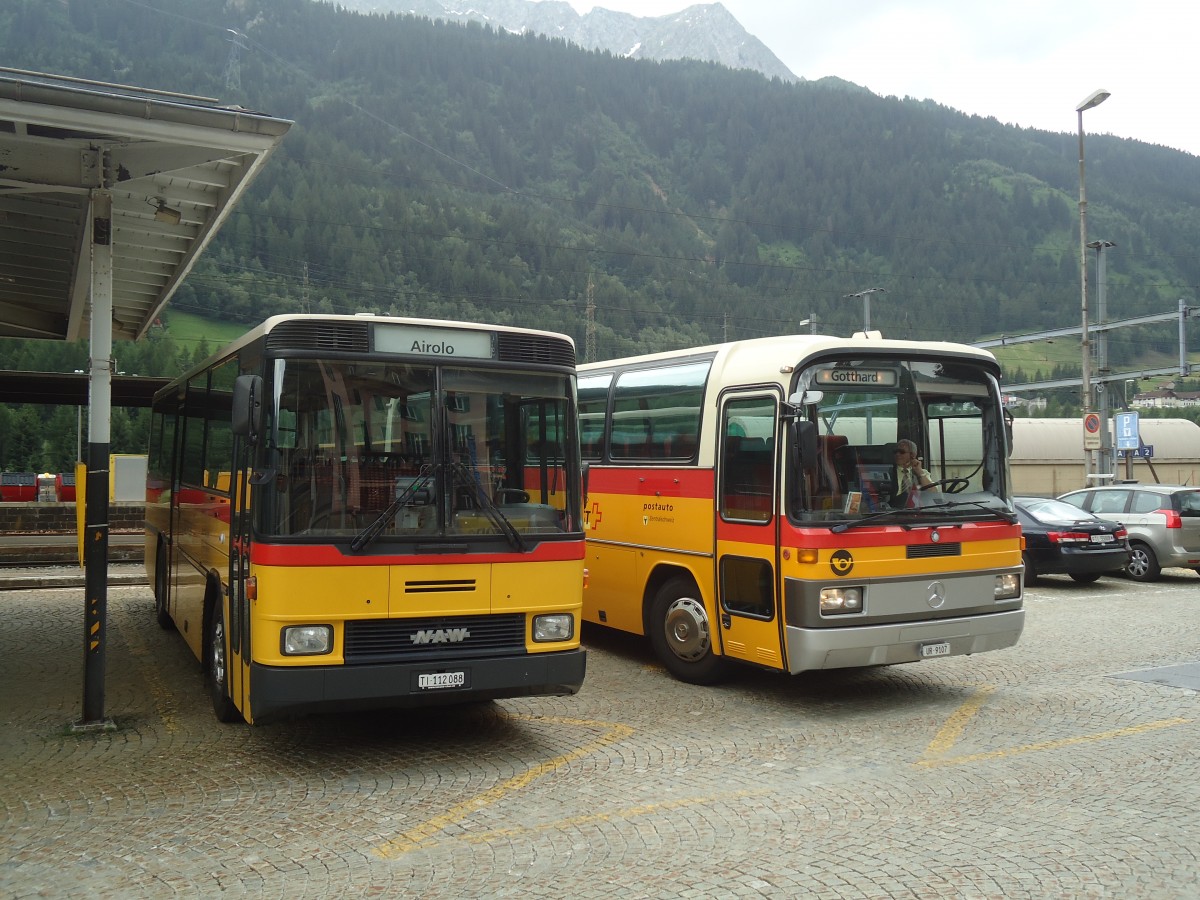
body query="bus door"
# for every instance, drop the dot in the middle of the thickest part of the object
(747, 529)
(238, 619)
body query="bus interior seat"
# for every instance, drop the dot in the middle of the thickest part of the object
(845, 463)
(591, 444)
(876, 454)
(680, 446)
(829, 479)
(749, 463)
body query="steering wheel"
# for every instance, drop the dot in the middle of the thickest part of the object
(512, 495)
(949, 485)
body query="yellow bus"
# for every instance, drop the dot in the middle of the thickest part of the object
(743, 504)
(349, 512)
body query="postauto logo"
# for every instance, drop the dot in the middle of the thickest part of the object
(841, 562)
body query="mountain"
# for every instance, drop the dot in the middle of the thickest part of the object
(457, 170)
(706, 32)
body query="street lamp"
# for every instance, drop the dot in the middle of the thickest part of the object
(1105, 463)
(1093, 99)
(866, 299)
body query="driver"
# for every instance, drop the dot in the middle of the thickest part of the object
(910, 476)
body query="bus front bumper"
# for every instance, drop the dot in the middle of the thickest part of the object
(279, 692)
(892, 643)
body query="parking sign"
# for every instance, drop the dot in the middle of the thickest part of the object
(1127, 430)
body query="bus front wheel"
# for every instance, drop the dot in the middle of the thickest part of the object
(218, 668)
(682, 634)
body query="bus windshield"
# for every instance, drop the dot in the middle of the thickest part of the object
(907, 436)
(417, 451)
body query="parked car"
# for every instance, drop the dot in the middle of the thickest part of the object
(1061, 539)
(1163, 521)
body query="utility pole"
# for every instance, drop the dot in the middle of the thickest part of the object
(589, 332)
(233, 65)
(1092, 100)
(866, 300)
(1106, 461)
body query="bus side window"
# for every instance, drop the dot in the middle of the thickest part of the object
(680, 446)
(746, 484)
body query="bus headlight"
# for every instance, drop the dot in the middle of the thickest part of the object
(841, 601)
(555, 627)
(307, 640)
(1008, 586)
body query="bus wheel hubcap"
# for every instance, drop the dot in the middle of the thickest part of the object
(218, 655)
(687, 629)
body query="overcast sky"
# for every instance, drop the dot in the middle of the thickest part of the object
(1026, 62)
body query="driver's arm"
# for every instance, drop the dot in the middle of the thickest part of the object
(922, 475)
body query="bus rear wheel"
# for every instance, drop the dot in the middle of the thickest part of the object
(162, 613)
(681, 634)
(218, 668)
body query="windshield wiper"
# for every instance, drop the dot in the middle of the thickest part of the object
(924, 512)
(997, 512)
(846, 526)
(490, 509)
(372, 531)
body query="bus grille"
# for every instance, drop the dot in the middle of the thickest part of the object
(924, 551)
(338, 337)
(433, 638)
(534, 348)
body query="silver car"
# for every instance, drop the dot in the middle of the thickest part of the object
(1163, 521)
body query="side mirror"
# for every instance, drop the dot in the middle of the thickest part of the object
(806, 443)
(247, 407)
(806, 398)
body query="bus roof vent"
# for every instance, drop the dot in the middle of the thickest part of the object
(535, 348)
(327, 337)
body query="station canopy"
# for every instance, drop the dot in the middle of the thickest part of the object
(174, 166)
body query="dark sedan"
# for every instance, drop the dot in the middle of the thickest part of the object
(1061, 539)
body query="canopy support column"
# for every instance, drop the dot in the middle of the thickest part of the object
(96, 515)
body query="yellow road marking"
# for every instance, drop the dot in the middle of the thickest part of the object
(412, 838)
(620, 814)
(1055, 745)
(949, 733)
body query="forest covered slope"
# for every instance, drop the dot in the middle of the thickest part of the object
(452, 171)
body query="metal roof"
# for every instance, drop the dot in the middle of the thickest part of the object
(1051, 441)
(65, 389)
(174, 165)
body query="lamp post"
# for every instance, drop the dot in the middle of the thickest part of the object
(1093, 99)
(866, 299)
(1106, 461)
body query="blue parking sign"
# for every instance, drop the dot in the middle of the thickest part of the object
(1126, 426)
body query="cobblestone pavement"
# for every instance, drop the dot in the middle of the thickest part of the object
(1030, 772)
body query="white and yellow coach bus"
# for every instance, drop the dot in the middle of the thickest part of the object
(347, 512)
(742, 504)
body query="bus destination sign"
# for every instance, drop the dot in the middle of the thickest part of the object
(450, 343)
(857, 378)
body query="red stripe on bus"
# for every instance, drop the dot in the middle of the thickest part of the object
(685, 481)
(328, 555)
(869, 536)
